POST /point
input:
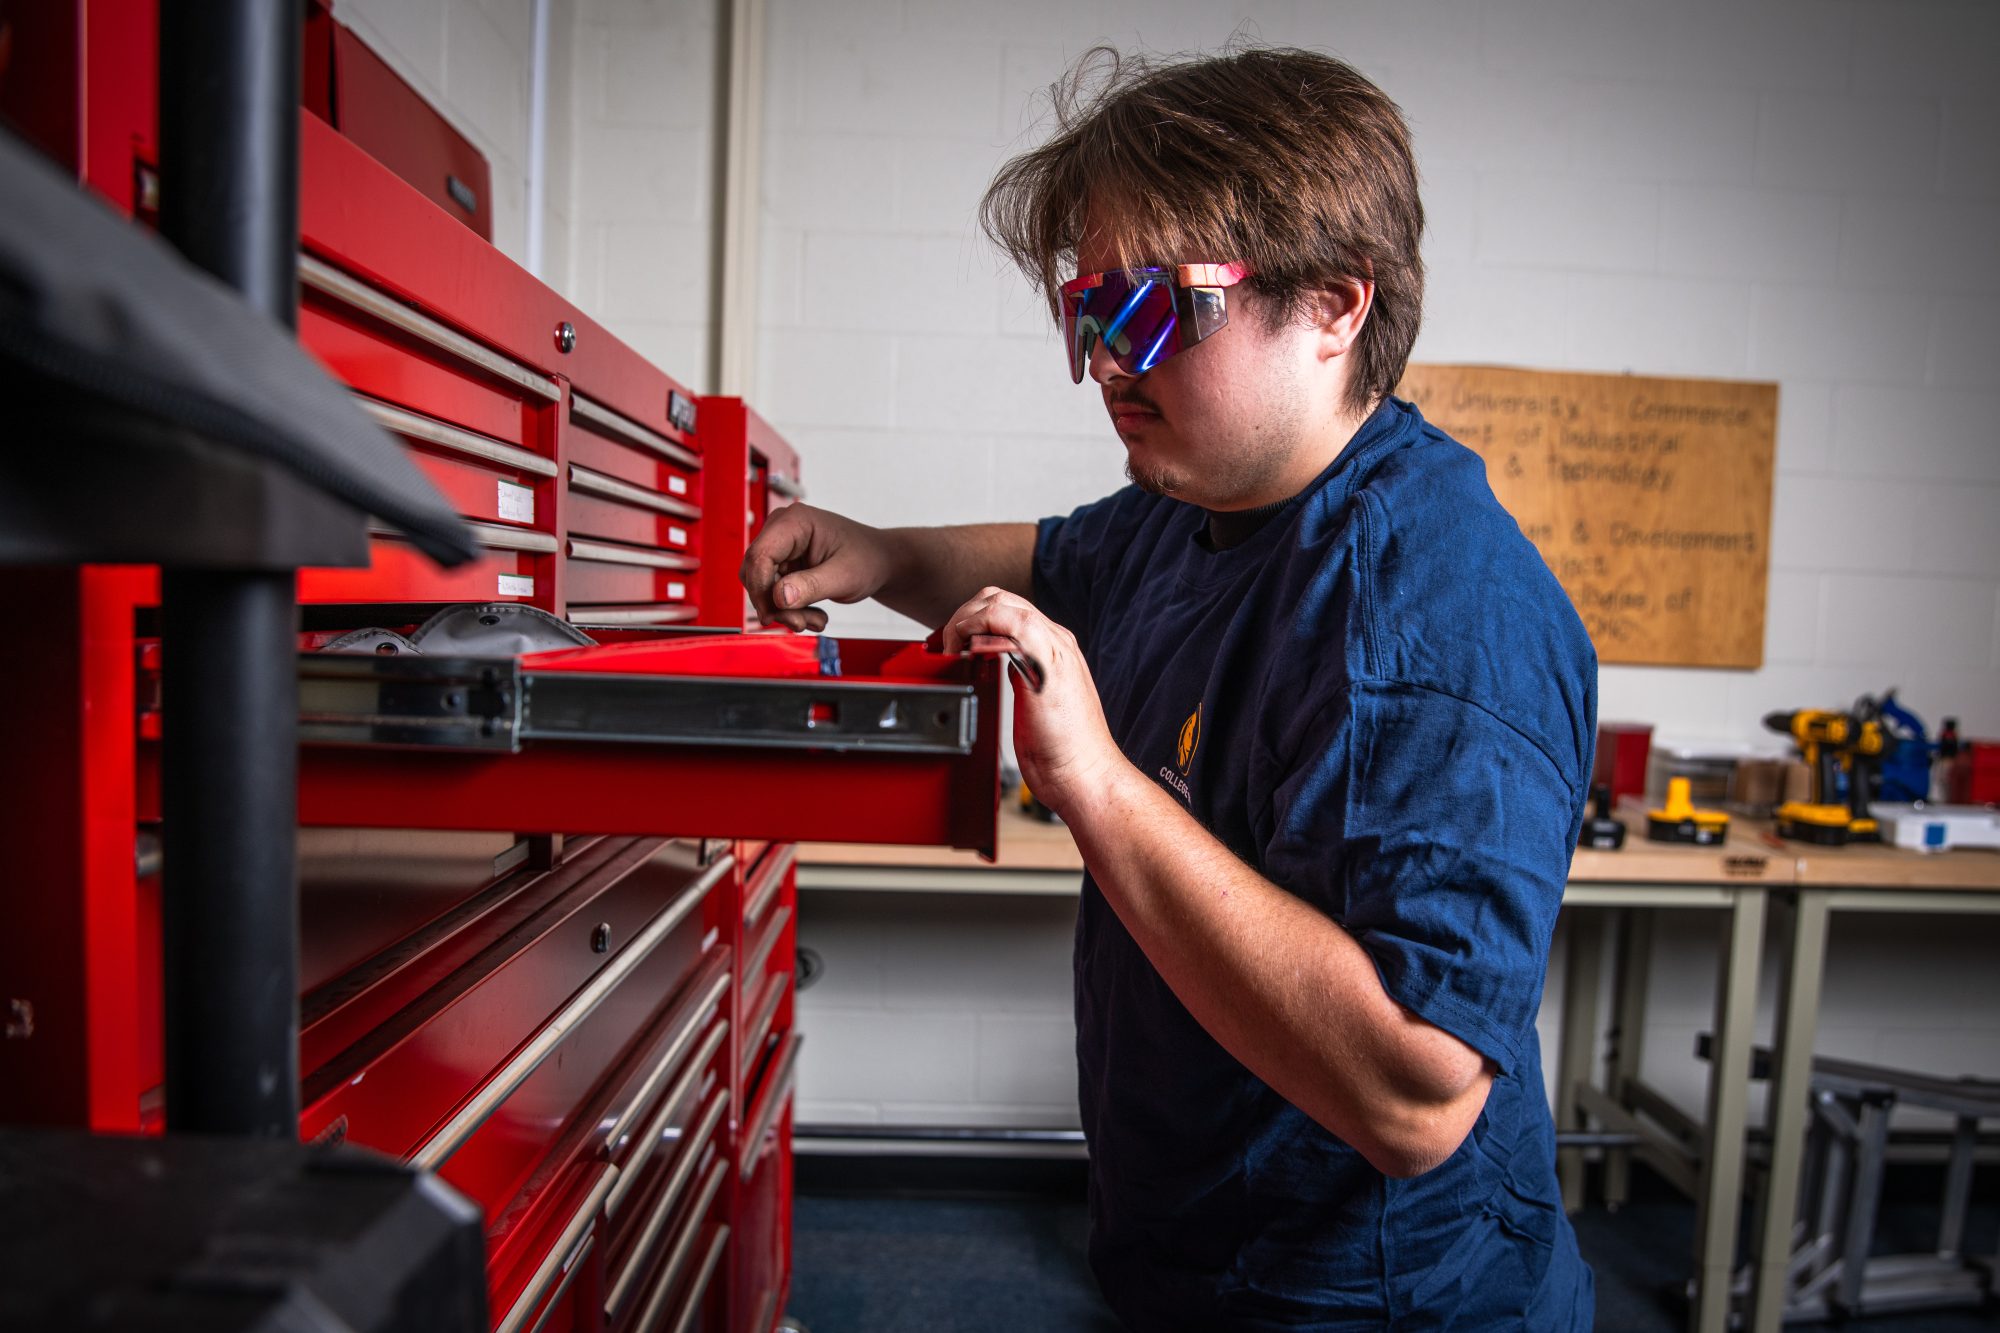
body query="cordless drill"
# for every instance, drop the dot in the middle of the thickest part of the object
(1837, 747)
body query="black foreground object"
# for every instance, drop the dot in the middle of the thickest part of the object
(229, 1235)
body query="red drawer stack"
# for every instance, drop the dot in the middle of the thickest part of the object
(511, 972)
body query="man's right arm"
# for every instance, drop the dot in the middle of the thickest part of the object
(806, 555)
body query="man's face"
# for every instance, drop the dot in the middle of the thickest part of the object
(1223, 423)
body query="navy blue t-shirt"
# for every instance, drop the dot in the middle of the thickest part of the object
(1385, 704)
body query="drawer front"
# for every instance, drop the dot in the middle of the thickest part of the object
(590, 516)
(768, 954)
(425, 1083)
(604, 574)
(398, 572)
(763, 1216)
(667, 1283)
(657, 459)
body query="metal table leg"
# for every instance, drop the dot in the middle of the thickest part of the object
(1728, 1112)
(1584, 959)
(1790, 1105)
(1628, 1036)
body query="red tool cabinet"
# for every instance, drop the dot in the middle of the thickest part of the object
(547, 903)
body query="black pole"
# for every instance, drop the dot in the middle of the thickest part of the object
(229, 170)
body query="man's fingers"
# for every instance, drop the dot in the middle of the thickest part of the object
(782, 541)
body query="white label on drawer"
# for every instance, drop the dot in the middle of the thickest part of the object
(678, 485)
(678, 536)
(517, 502)
(517, 585)
(676, 591)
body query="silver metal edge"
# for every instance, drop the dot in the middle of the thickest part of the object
(630, 431)
(582, 548)
(753, 910)
(552, 1264)
(785, 486)
(779, 1091)
(490, 535)
(592, 482)
(760, 952)
(615, 616)
(699, 1287)
(570, 1272)
(669, 1201)
(417, 426)
(482, 1104)
(324, 277)
(698, 1013)
(656, 1127)
(767, 1010)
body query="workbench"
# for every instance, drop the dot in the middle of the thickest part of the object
(1751, 882)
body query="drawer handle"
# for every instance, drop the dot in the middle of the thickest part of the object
(630, 431)
(656, 1128)
(492, 536)
(630, 615)
(487, 1100)
(580, 549)
(767, 888)
(759, 952)
(767, 1309)
(584, 479)
(784, 486)
(561, 1255)
(417, 426)
(697, 1013)
(760, 1027)
(325, 278)
(670, 1197)
(570, 1272)
(699, 1287)
(774, 1102)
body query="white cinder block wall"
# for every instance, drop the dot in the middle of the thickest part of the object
(1795, 190)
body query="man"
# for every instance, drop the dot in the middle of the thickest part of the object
(1318, 715)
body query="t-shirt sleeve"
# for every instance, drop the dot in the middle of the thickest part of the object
(1438, 835)
(1071, 555)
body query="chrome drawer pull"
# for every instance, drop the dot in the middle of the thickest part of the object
(579, 549)
(630, 615)
(656, 1128)
(560, 1255)
(589, 482)
(492, 536)
(767, 1308)
(760, 1027)
(481, 1106)
(785, 486)
(570, 1271)
(325, 278)
(774, 877)
(699, 1287)
(416, 426)
(774, 1102)
(670, 1197)
(676, 1262)
(630, 431)
(759, 952)
(697, 1014)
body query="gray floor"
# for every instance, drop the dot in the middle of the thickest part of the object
(868, 1263)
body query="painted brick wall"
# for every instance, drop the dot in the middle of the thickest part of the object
(1777, 189)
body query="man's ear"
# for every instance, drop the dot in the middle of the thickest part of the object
(1338, 312)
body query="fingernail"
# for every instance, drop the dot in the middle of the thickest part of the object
(787, 594)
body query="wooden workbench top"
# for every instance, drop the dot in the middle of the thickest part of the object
(1753, 854)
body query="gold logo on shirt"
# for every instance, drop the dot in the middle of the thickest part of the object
(1190, 737)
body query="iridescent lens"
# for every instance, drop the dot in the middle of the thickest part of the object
(1131, 313)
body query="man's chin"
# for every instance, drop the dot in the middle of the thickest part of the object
(1152, 480)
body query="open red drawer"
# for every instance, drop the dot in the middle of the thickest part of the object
(759, 736)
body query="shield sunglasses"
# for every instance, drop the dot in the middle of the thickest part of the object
(1144, 315)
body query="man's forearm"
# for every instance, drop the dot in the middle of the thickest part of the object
(934, 570)
(1279, 984)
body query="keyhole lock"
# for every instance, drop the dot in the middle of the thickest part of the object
(600, 939)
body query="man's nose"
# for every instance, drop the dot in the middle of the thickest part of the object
(1103, 367)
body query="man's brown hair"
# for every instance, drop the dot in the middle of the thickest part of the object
(1290, 161)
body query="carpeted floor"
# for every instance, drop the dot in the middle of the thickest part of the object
(932, 1261)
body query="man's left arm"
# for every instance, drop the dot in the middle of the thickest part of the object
(1282, 986)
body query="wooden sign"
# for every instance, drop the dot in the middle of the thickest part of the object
(1649, 498)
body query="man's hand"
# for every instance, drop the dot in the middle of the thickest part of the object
(1066, 751)
(806, 555)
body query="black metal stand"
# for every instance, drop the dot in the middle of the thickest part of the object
(229, 109)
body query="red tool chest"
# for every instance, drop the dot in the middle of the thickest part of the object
(547, 902)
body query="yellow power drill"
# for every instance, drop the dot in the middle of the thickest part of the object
(1833, 744)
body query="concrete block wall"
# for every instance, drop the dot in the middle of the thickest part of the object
(1776, 189)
